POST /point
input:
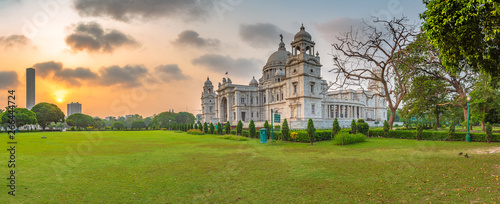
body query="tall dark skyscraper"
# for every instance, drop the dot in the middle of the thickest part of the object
(30, 88)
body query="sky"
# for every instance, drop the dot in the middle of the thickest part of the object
(121, 57)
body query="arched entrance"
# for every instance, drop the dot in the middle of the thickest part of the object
(223, 108)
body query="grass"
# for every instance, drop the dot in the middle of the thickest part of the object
(163, 166)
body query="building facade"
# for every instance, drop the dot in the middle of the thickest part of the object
(291, 85)
(30, 88)
(73, 108)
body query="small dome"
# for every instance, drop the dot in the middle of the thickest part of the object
(208, 82)
(279, 73)
(254, 82)
(278, 57)
(302, 35)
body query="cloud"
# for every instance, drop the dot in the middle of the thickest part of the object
(334, 27)
(192, 38)
(128, 76)
(71, 76)
(126, 10)
(8, 80)
(170, 72)
(91, 37)
(44, 69)
(13, 41)
(237, 67)
(263, 35)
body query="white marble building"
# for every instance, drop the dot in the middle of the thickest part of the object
(291, 84)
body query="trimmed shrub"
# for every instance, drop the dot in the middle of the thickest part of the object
(293, 136)
(345, 139)
(268, 128)
(205, 128)
(386, 128)
(239, 127)
(211, 128)
(451, 132)
(219, 128)
(335, 128)
(227, 127)
(363, 127)
(353, 127)
(489, 135)
(194, 132)
(251, 129)
(311, 131)
(285, 131)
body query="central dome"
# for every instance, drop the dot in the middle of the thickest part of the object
(278, 57)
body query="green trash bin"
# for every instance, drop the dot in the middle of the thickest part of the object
(263, 135)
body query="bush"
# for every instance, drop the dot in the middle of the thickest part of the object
(293, 136)
(353, 127)
(194, 132)
(266, 125)
(451, 132)
(386, 127)
(363, 127)
(251, 129)
(219, 128)
(227, 126)
(285, 131)
(311, 131)
(434, 135)
(239, 127)
(396, 125)
(345, 139)
(277, 127)
(489, 135)
(335, 128)
(211, 128)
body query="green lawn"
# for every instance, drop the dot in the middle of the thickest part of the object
(168, 167)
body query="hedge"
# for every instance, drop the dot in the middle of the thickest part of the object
(349, 139)
(434, 135)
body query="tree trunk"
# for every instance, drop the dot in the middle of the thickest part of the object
(393, 116)
(482, 126)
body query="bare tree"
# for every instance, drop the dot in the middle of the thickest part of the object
(376, 56)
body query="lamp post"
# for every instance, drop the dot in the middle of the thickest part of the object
(467, 136)
(169, 124)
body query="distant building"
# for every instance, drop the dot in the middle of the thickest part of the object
(74, 108)
(30, 88)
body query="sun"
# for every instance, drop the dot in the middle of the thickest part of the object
(60, 95)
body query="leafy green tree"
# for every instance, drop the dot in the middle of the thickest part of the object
(335, 128)
(465, 31)
(311, 131)
(483, 99)
(219, 128)
(138, 124)
(80, 120)
(47, 113)
(285, 130)
(489, 134)
(184, 118)
(353, 127)
(212, 128)
(165, 119)
(200, 126)
(251, 129)
(118, 125)
(227, 126)
(195, 126)
(99, 123)
(239, 128)
(386, 128)
(22, 117)
(451, 131)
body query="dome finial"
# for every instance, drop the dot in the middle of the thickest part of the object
(281, 36)
(302, 27)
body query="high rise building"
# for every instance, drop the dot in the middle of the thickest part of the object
(74, 108)
(30, 88)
